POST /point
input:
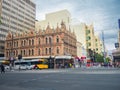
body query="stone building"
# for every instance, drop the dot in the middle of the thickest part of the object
(44, 43)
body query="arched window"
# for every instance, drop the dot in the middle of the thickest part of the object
(57, 50)
(24, 42)
(21, 43)
(50, 40)
(46, 40)
(29, 52)
(57, 39)
(32, 52)
(32, 41)
(49, 50)
(39, 52)
(24, 52)
(21, 52)
(17, 44)
(29, 42)
(39, 41)
(14, 44)
(46, 51)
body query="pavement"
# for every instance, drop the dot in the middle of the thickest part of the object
(61, 79)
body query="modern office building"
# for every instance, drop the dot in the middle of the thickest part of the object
(16, 16)
(42, 44)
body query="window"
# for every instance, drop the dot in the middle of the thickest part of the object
(21, 43)
(49, 50)
(39, 41)
(46, 40)
(57, 50)
(89, 44)
(24, 42)
(46, 51)
(50, 40)
(24, 52)
(32, 52)
(21, 52)
(32, 42)
(29, 52)
(29, 42)
(39, 52)
(88, 32)
(57, 39)
(88, 38)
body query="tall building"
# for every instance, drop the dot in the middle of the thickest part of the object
(16, 16)
(54, 18)
(42, 44)
(98, 45)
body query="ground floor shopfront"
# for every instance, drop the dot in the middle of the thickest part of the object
(116, 58)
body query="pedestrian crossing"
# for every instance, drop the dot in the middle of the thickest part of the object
(71, 71)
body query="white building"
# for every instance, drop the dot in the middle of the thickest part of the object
(54, 19)
(16, 16)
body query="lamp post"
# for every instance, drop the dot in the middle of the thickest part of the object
(50, 51)
(11, 55)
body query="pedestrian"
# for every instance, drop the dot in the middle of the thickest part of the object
(2, 68)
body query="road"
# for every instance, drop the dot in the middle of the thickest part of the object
(68, 79)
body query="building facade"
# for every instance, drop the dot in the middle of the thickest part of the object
(98, 45)
(116, 53)
(84, 33)
(16, 16)
(53, 19)
(44, 43)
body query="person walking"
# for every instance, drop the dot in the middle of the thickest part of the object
(2, 68)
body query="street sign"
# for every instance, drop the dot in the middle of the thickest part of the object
(116, 45)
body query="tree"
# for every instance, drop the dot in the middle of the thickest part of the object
(99, 58)
(108, 59)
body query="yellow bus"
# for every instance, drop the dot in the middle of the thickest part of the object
(5, 62)
(32, 64)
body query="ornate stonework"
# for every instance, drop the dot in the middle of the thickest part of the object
(59, 41)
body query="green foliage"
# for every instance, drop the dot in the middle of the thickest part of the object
(99, 58)
(107, 59)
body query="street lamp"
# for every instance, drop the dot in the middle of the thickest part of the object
(50, 51)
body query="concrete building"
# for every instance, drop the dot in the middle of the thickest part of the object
(44, 43)
(16, 16)
(98, 45)
(53, 19)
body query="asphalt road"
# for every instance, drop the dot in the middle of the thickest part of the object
(69, 79)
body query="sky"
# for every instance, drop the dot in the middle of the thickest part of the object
(103, 14)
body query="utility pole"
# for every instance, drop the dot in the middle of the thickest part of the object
(103, 46)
